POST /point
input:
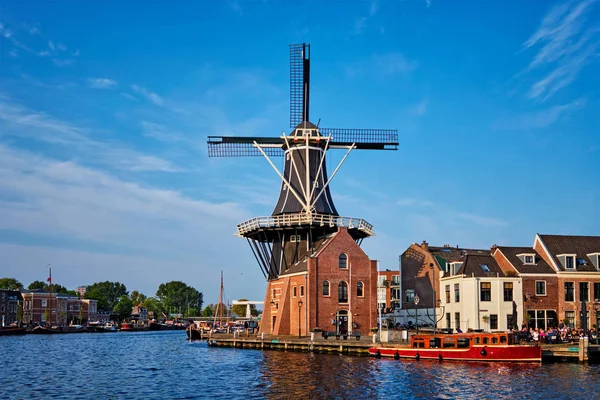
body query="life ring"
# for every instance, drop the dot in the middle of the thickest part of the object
(417, 356)
(483, 352)
(378, 354)
(397, 355)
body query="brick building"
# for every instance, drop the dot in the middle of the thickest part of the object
(333, 288)
(57, 309)
(10, 301)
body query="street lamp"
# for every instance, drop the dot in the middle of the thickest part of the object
(597, 309)
(434, 303)
(299, 306)
(417, 311)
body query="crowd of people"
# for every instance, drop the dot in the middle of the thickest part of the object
(556, 335)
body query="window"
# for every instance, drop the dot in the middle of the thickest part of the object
(273, 294)
(584, 294)
(447, 293)
(542, 319)
(44, 302)
(596, 291)
(448, 320)
(510, 322)
(540, 288)
(456, 292)
(359, 289)
(508, 291)
(493, 321)
(343, 292)
(395, 280)
(569, 262)
(528, 259)
(485, 268)
(395, 294)
(569, 291)
(486, 291)
(294, 291)
(343, 261)
(302, 291)
(409, 295)
(456, 320)
(76, 307)
(570, 319)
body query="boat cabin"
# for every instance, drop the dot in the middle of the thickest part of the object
(463, 340)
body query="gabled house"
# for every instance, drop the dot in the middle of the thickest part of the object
(540, 284)
(576, 262)
(480, 295)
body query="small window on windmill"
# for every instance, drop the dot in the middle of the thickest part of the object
(316, 184)
(287, 156)
(285, 186)
(292, 238)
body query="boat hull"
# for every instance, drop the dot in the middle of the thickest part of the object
(12, 330)
(509, 353)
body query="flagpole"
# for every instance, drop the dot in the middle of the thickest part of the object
(50, 277)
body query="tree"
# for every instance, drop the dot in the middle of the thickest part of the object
(123, 307)
(36, 285)
(137, 297)
(154, 305)
(10, 284)
(107, 293)
(20, 313)
(179, 296)
(240, 309)
(208, 311)
(47, 315)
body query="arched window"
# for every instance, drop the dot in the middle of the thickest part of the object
(359, 289)
(343, 262)
(343, 292)
(325, 288)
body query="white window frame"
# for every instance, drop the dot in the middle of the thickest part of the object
(532, 262)
(545, 289)
(44, 303)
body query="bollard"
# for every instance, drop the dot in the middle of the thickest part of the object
(262, 336)
(375, 340)
(312, 336)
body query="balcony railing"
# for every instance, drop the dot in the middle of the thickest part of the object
(290, 220)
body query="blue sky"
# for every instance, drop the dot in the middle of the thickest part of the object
(105, 108)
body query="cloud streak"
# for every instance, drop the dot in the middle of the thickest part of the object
(538, 119)
(564, 47)
(101, 83)
(152, 97)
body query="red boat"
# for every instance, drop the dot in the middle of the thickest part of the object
(478, 346)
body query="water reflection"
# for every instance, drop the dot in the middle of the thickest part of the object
(164, 365)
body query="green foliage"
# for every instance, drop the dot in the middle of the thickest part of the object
(47, 315)
(36, 285)
(107, 293)
(137, 298)
(10, 284)
(20, 313)
(208, 311)
(154, 305)
(123, 307)
(240, 309)
(179, 296)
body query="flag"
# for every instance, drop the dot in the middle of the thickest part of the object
(49, 279)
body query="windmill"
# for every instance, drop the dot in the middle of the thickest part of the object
(304, 213)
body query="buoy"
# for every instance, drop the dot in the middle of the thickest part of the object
(483, 352)
(378, 354)
(440, 357)
(417, 357)
(396, 356)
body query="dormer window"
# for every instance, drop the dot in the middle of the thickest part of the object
(567, 260)
(528, 259)
(595, 258)
(569, 264)
(485, 268)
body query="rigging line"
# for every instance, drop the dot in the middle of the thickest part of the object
(263, 262)
(336, 170)
(279, 173)
(295, 168)
(312, 192)
(257, 260)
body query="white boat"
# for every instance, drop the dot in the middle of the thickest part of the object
(110, 327)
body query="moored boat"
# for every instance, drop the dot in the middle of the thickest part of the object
(133, 327)
(12, 330)
(480, 346)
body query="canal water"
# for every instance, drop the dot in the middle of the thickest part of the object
(152, 365)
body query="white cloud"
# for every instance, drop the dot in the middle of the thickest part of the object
(101, 83)
(153, 97)
(565, 47)
(160, 132)
(538, 119)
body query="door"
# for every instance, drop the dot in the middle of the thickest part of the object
(342, 322)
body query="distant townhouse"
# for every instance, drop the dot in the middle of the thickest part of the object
(388, 291)
(421, 268)
(41, 307)
(576, 261)
(540, 294)
(480, 295)
(10, 301)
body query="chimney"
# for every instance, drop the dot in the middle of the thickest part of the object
(493, 249)
(425, 245)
